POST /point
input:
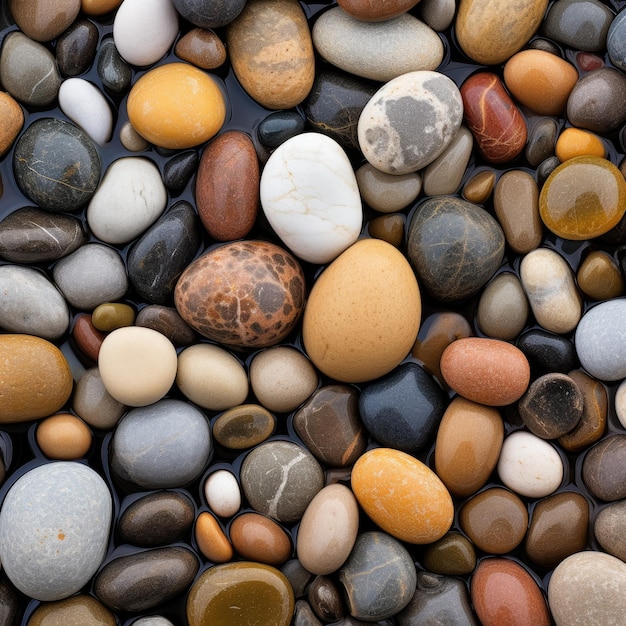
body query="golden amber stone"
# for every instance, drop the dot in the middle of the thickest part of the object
(583, 198)
(573, 142)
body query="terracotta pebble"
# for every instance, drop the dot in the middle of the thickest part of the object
(369, 12)
(64, 437)
(599, 277)
(12, 121)
(87, 337)
(202, 47)
(211, 539)
(259, 538)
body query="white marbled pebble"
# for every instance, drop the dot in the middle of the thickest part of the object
(601, 340)
(31, 304)
(91, 275)
(137, 365)
(87, 107)
(529, 465)
(129, 199)
(143, 30)
(211, 377)
(410, 121)
(376, 50)
(387, 193)
(444, 175)
(222, 493)
(310, 197)
(54, 529)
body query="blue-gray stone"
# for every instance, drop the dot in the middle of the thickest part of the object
(54, 529)
(616, 41)
(279, 126)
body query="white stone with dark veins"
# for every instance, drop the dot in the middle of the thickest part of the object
(410, 121)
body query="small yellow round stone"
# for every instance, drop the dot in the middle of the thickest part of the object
(176, 106)
(574, 142)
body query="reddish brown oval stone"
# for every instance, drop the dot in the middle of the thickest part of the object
(87, 337)
(202, 47)
(368, 11)
(495, 121)
(227, 186)
(259, 538)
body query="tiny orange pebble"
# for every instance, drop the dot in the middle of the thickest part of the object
(573, 142)
(64, 437)
(211, 539)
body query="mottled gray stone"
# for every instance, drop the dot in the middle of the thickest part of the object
(604, 469)
(209, 14)
(303, 615)
(616, 41)
(164, 445)
(280, 478)
(609, 529)
(54, 529)
(31, 304)
(113, 71)
(168, 322)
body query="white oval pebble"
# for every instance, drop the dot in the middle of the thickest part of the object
(129, 199)
(385, 192)
(529, 465)
(137, 365)
(310, 197)
(143, 30)
(87, 107)
(211, 377)
(222, 493)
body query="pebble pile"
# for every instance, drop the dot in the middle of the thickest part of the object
(312, 312)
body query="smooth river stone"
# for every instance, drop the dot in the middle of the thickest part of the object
(487, 371)
(604, 469)
(428, 98)
(54, 529)
(211, 540)
(503, 592)
(494, 119)
(503, 308)
(166, 321)
(389, 228)
(178, 170)
(161, 254)
(587, 588)
(363, 313)
(76, 47)
(32, 304)
(113, 71)
(574, 142)
(387, 193)
(214, 15)
(542, 136)
(452, 555)
(244, 294)
(176, 106)
(609, 529)
(222, 493)
(310, 197)
(599, 277)
(227, 186)
(36, 380)
(279, 479)
(64, 437)
(12, 122)
(329, 425)
(326, 599)
(68, 165)
(403, 409)
(201, 47)
(379, 577)
(93, 403)
(444, 175)
(402, 496)
(41, 20)
(373, 12)
(468, 445)
(479, 186)
(454, 246)
(547, 352)
(615, 41)
(79, 609)
(239, 594)
(143, 580)
(377, 51)
(175, 440)
(271, 52)
(279, 126)
(243, 426)
(558, 528)
(260, 539)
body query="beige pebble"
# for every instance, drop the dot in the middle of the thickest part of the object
(503, 308)
(444, 175)
(478, 188)
(211, 377)
(387, 193)
(438, 14)
(64, 437)
(131, 139)
(111, 315)
(549, 285)
(94, 404)
(137, 365)
(599, 277)
(282, 378)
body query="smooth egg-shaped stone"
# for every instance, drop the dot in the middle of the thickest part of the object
(603, 469)
(93, 404)
(491, 31)
(468, 445)
(487, 371)
(351, 330)
(590, 207)
(387, 193)
(494, 119)
(78, 609)
(239, 594)
(279, 126)
(54, 529)
(368, 12)
(310, 197)
(64, 437)
(222, 493)
(376, 51)
(503, 308)
(271, 51)
(245, 294)
(176, 106)
(541, 140)
(243, 426)
(260, 539)
(402, 495)
(598, 276)
(547, 352)
(212, 540)
(608, 529)
(453, 555)
(325, 597)
(76, 47)
(202, 47)
(35, 378)
(43, 21)
(115, 74)
(574, 142)
(328, 530)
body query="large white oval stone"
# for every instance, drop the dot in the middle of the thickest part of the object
(310, 197)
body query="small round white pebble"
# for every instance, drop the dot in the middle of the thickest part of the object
(222, 493)
(529, 465)
(620, 403)
(137, 365)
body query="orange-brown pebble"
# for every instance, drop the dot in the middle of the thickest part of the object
(259, 538)
(87, 337)
(540, 80)
(573, 142)
(211, 540)
(12, 118)
(99, 7)
(599, 277)
(389, 228)
(176, 106)
(402, 495)
(202, 47)
(64, 437)
(479, 187)
(487, 371)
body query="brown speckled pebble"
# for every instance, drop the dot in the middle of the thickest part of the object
(604, 468)
(609, 529)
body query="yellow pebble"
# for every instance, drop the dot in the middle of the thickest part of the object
(64, 437)
(573, 142)
(111, 315)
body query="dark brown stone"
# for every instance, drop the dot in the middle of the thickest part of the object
(87, 337)
(325, 599)
(452, 555)
(389, 228)
(76, 48)
(168, 322)
(604, 469)
(202, 47)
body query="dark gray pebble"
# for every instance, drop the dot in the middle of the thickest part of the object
(279, 126)
(113, 71)
(541, 140)
(297, 576)
(325, 598)
(179, 169)
(76, 48)
(548, 352)
(168, 322)
(212, 14)
(303, 615)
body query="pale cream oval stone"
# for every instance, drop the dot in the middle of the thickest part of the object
(387, 193)
(503, 308)
(222, 493)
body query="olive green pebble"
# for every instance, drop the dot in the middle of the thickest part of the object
(452, 555)
(111, 315)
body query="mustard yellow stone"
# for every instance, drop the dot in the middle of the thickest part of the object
(574, 142)
(583, 198)
(176, 106)
(402, 495)
(111, 315)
